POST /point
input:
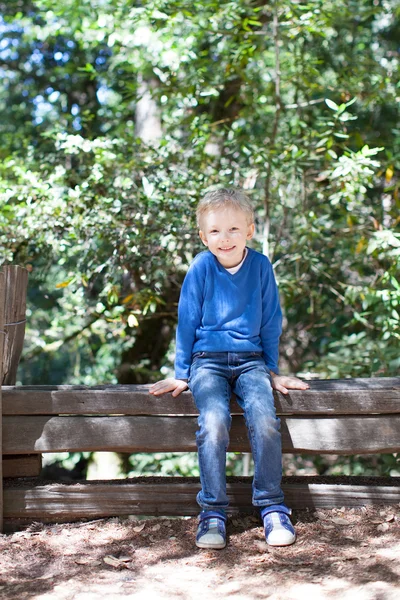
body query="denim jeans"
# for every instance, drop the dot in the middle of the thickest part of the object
(213, 377)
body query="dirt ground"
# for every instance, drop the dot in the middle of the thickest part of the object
(346, 554)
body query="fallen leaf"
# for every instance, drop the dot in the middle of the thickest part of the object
(327, 526)
(389, 518)
(383, 527)
(320, 516)
(376, 521)
(139, 528)
(113, 562)
(83, 561)
(340, 521)
(125, 558)
(156, 527)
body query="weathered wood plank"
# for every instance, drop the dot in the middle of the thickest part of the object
(347, 396)
(22, 466)
(336, 435)
(2, 344)
(16, 282)
(174, 497)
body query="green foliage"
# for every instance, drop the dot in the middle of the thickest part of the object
(295, 102)
(175, 464)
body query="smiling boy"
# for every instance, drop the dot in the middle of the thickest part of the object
(229, 324)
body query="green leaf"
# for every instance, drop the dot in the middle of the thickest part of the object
(395, 283)
(148, 187)
(350, 102)
(332, 105)
(132, 321)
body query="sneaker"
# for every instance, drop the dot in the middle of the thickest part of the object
(278, 528)
(211, 532)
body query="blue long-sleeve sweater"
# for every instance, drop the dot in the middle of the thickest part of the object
(221, 312)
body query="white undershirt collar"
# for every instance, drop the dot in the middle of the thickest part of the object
(233, 270)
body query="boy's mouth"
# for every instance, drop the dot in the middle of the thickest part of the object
(228, 249)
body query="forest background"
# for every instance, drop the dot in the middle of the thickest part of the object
(117, 115)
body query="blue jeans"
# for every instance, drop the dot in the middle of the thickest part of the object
(213, 377)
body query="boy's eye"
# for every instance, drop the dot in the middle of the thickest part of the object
(214, 231)
(234, 228)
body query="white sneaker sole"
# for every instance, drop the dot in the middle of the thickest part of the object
(211, 545)
(281, 542)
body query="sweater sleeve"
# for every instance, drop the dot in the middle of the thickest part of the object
(271, 322)
(189, 317)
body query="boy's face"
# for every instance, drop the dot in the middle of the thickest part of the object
(225, 231)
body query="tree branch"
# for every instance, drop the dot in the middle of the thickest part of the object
(278, 110)
(54, 346)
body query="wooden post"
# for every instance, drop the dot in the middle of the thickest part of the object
(2, 339)
(16, 282)
(15, 289)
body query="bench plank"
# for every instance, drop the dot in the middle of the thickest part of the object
(329, 435)
(343, 396)
(22, 466)
(172, 496)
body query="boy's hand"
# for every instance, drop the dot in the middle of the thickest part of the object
(283, 384)
(176, 386)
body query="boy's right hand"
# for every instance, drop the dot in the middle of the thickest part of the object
(176, 386)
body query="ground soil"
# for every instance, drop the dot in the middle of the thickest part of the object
(346, 554)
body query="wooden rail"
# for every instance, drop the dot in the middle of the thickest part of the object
(49, 501)
(357, 416)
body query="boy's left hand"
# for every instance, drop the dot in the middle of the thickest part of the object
(283, 383)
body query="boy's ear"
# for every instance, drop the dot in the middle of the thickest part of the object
(203, 238)
(250, 231)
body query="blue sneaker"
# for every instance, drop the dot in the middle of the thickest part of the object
(211, 532)
(278, 528)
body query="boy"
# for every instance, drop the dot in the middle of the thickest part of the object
(229, 324)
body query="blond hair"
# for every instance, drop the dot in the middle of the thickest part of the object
(222, 197)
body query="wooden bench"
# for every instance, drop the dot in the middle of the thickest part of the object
(351, 416)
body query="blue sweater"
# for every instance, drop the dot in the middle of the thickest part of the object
(221, 312)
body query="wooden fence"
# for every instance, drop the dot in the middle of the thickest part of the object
(352, 416)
